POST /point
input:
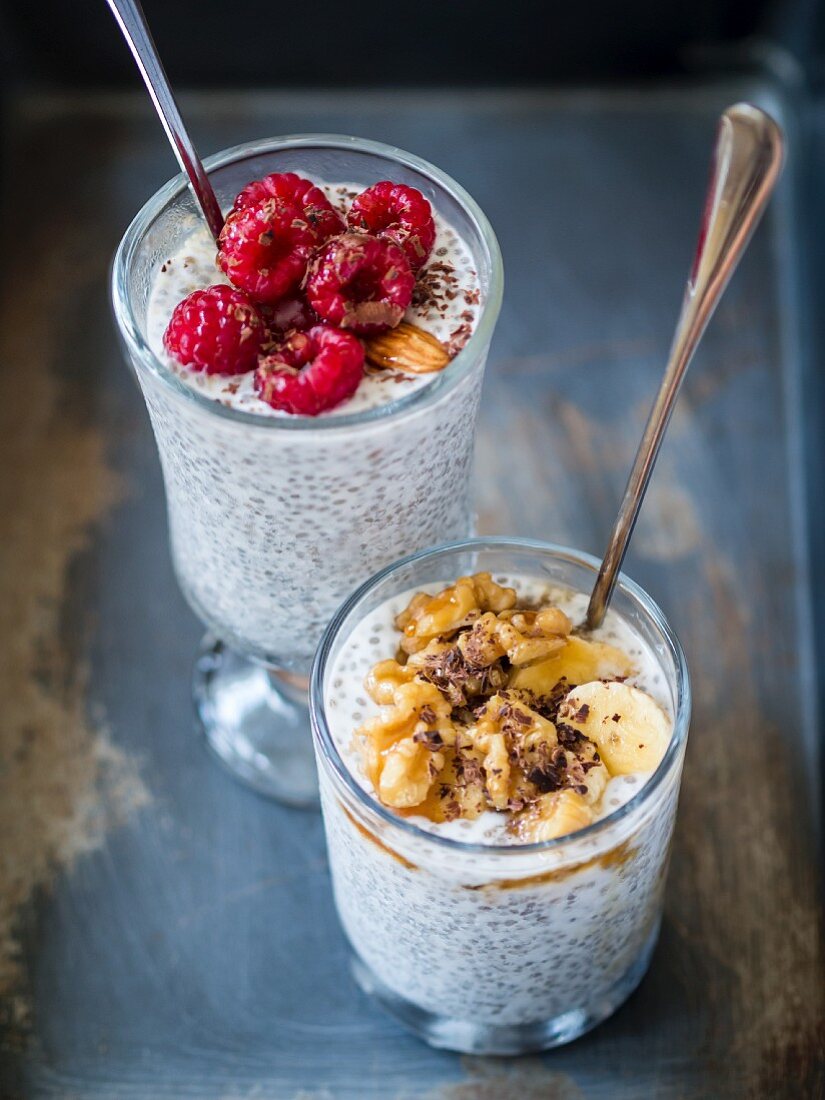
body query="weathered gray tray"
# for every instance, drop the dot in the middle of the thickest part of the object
(166, 934)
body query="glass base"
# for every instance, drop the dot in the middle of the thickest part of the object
(472, 1037)
(256, 721)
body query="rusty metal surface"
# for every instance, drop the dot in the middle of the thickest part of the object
(166, 934)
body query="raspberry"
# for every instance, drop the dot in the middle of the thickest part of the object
(313, 371)
(397, 213)
(217, 330)
(360, 283)
(291, 190)
(264, 249)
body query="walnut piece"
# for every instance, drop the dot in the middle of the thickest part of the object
(429, 617)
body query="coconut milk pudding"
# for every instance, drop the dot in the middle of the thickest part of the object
(474, 714)
(323, 301)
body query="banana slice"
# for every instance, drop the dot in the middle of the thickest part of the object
(578, 662)
(553, 815)
(630, 729)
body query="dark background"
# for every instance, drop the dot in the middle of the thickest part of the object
(408, 42)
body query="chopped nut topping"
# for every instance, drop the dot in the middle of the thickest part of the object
(477, 713)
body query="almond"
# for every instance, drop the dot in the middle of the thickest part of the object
(407, 348)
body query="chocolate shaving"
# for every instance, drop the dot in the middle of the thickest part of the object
(430, 739)
(459, 681)
(569, 736)
(546, 779)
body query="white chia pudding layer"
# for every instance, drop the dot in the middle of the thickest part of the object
(446, 303)
(271, 528)
(507, 935)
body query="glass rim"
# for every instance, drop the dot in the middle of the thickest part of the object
(651, 609)
(463, 363)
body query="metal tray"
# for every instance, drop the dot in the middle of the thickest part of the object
(163, 932)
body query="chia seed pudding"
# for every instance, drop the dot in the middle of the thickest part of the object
(270, 526)
(466, 916)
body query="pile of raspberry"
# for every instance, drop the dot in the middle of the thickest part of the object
(305, 287)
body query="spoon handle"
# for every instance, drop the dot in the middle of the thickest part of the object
(747, 160)
(132, 22)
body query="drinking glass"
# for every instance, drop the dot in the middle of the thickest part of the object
(273, 520)
(499, 949)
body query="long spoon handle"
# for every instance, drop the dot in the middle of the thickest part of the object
(132, 22)
(746, 163)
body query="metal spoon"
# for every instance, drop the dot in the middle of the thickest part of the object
(747, 160)
(132, 22)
